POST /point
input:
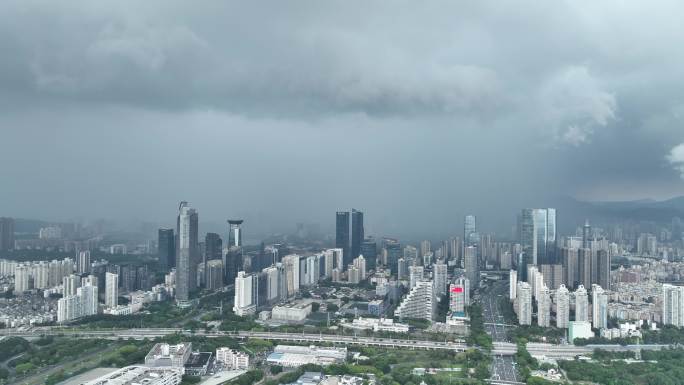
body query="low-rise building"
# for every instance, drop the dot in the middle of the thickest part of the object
(377, 325)
(136, 375)
(168, 355)
(310, 378)
(579, 329)
(232, 359)
(291, 312)
(295, 356)
(626, 330)
(198, 363)
(376, 307)
(129, 309)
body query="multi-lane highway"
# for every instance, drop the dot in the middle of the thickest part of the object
(503, 366)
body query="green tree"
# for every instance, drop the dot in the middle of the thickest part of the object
(24, 368)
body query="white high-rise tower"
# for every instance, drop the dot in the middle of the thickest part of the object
(673, 305)
(524, 303)
(562, 307)
(599, 303)
(111, 290)
(581, 304)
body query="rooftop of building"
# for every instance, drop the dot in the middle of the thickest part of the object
(198, 359)
(165, 350)
(310, 378)
(134, 375)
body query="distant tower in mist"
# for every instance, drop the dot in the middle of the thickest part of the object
(469, 230)
(538, 237)
(586, 235)
(235, 232)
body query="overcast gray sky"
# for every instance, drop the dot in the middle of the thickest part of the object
(415, 112)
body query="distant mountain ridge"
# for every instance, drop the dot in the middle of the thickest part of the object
(573, 212)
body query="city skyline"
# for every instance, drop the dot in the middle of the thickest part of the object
(374, 193)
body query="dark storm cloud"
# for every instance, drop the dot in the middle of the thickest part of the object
(316, 59)
(468, 106)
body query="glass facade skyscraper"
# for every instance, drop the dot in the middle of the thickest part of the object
(188, 248)
(166, 248)
(357, 233)
(392, 248)
(470, 236)
(342, 235)
(538, 237)
(369, 250)
(235, 233)
(213, 249)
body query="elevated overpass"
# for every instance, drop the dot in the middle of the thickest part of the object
(499, 348)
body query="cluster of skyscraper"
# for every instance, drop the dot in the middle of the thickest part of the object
(284, 279)
(523, 293)
(580, 261)
(544, 272)
(198, 264)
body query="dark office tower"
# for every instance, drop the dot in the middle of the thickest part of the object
(469, 230)
(281, 250)
(166, 248)
(235, 232)
(585, 267)
(99, 270)
(369, 250)
(392, 248)
(213, 247)
(114, 269)
(188, 258)
(143, 279)
(261, 260)
(128, 278)
(342, 235)
(261, 279)
(233, 263)
(570, 257)
(6, 234)
(586, 235)
(357, 236)
(603, 257)
(538, 236)
(594, 267)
